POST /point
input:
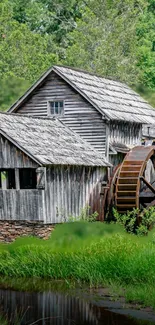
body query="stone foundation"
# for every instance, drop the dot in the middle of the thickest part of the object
(10, 230)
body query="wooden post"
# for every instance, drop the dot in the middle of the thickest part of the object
(17, 182)
(107, 140)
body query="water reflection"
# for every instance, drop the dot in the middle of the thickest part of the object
(49, 307)
(42, 308)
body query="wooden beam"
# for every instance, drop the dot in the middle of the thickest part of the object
(17, 181)
(107, 141)
(147, 184)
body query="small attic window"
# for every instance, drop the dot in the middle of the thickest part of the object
(56, 107)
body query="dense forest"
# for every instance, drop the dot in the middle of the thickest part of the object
(112, 38)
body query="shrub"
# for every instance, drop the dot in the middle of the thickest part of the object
(136, 221)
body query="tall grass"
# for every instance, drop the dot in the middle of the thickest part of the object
(95, 253)
(82, 251)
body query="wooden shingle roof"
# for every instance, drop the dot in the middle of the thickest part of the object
(113, 99)
(48, 141)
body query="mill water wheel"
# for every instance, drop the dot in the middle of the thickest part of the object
(132, 189)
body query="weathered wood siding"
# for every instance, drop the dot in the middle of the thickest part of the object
(148, 131)
(69, 189)
(79, 115)
(12, 157)
(22, 204)
(126, 133)
(116, 159)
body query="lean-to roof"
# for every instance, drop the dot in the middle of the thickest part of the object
(113, 99)
(48, 141)
(119, 147)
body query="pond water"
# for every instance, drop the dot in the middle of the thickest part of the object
(61, 307)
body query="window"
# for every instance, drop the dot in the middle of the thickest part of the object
(22, 178)
(56, 107)
(7, 179)
(28, 178)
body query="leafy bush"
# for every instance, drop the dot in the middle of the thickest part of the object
(136, 221)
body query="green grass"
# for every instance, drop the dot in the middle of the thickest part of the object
(94, 253)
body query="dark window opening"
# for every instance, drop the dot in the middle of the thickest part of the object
(22, 178)
(56, 107)
(7, 179)
(28, 178)
(11, 178)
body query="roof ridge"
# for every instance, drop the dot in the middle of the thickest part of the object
(31, 116)
(90, 73)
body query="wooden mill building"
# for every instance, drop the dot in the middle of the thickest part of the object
(47, 171)
(107, 114)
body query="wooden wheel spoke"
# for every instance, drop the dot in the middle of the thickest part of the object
(131, 173)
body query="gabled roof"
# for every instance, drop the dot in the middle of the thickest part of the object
(113, 99)
(48, 141)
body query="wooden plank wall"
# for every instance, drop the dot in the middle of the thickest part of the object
(69, 189)
(79, 115)
(148, 131)
(116, 159)
(22, 205)
(12, 157)
(126, 133)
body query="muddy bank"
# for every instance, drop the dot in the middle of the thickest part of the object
(102, 299)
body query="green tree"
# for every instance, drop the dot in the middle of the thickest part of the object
(105, 40)
(11, 88)
(146, 45)
(57, 17)
(113, 38)
(24, 54)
